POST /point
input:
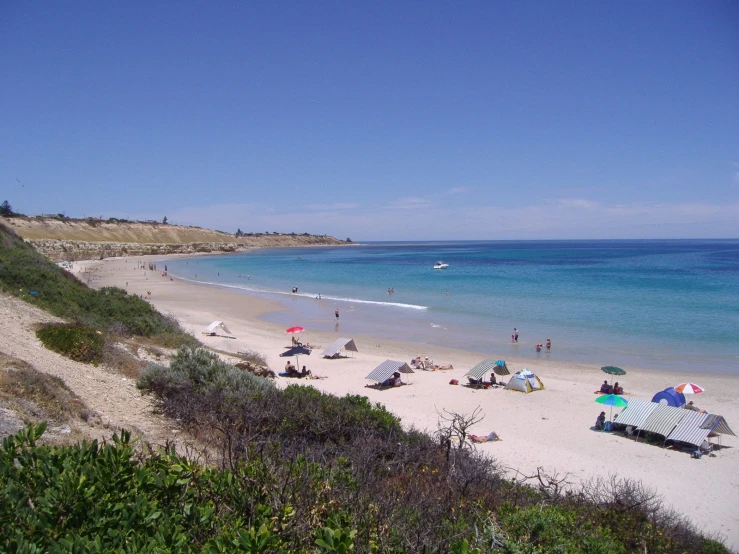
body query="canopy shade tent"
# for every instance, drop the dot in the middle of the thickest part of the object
(500, 368)
(636, 412)
(386, 370)
(689, 429)
(479, 371)
(212, 329)
(334, 349)
(663, 420)
(717, 424)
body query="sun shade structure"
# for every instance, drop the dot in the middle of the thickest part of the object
(293, 330)
(296, 351)
(663, 420)
(613, 370)
(636, 413)
(717, 424)
(689, 388)
(481, 369)
(335, 348)
(689, 429)
(500, 368)
(213, 328)
(386, 370)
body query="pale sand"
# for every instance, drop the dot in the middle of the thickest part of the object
(549, 429)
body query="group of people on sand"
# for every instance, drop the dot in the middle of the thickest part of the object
(292, 371)
(607, 388)
(428, 365)
(481, 382)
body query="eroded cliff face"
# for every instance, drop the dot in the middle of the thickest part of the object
(91, 239)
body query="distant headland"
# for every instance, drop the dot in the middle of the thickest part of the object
(61, 238)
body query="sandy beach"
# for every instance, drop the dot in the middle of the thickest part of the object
(548, 429)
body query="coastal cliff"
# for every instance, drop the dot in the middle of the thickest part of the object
(61, 239)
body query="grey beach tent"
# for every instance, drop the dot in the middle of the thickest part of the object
(334, 349)
(386, 369)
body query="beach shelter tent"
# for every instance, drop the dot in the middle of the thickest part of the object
(524, 381)
(663, 420)
(717, 424)
(213, 328)
(500, 368)
(386, 370)
(669, 397)
(335, 348)
(636, 413)
(481, 369)
(689, 429)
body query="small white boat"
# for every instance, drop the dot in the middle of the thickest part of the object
(440, 265)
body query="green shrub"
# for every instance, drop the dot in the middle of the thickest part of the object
(78, 342)
(27, 274)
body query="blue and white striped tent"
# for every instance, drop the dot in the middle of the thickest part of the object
(386, 370)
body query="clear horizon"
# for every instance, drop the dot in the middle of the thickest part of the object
(379, 121)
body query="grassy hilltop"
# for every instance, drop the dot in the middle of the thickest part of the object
(280, 470)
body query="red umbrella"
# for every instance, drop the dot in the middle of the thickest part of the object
(293, 330)
(689, 388)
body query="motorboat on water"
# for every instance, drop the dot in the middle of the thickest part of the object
(440, 265)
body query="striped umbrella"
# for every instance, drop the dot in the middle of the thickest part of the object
(689, 388)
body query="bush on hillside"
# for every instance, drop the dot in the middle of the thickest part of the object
(78, 342)
(27, 274)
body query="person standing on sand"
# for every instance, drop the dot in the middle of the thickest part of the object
(336, 313)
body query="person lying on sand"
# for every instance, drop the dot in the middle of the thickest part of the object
(493, 436)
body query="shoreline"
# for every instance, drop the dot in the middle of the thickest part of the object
(549, 429)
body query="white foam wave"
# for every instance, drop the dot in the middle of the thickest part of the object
(309, 295)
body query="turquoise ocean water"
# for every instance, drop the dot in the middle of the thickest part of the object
(663, 304)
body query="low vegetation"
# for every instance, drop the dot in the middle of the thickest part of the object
(343, 469)
(78, 342)
(36, 396)
(28, 275)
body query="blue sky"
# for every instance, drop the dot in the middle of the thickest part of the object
(377, 120)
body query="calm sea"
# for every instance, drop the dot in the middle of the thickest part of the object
(665, 304)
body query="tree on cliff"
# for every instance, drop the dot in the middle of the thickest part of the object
(6, 208)
(239, 232)
(164, 221)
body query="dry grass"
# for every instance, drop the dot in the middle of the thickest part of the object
(120, 359)
(36, 396)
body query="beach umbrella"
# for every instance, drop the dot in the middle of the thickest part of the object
(296, 351)
(613, 370)
(612, 400)
(689, 388)
(293, 330)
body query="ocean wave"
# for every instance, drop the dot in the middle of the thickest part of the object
(308, 295)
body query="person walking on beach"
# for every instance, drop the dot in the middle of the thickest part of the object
(336, 313)
(515, 335)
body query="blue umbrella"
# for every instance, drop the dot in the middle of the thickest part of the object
(296, 351)
(612, 400)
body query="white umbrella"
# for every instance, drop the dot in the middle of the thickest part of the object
(689, 388)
